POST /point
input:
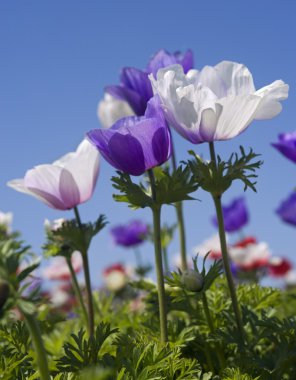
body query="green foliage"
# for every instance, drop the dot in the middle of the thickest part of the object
(126, 345)
(235, 374)
(175, 187)
(83, 352)
(17, 264)
(217, 178)
(15, 360)
(72, 237)
(135, 195)
(170, 188)
(142, 359)
(176, 278)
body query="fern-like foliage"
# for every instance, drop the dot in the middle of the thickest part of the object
(82, 352)
(15, 360)
(170, 188)
(217, 178)
(71, 237)
(141, 359)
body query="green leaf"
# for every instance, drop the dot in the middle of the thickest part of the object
(216, 179)
(175, 187)
(73, 237)
(29, 269)
(26, 307)
(170, 188)
(133, 194)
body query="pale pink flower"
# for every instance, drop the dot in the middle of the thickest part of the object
(66, 182)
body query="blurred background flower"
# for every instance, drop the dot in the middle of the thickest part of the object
(287, 145)
(235, 215)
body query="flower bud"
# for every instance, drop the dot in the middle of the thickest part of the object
(192, 280)
(4, 292)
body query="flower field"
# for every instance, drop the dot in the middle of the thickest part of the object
(208, 315)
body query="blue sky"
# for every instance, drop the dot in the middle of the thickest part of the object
(56, 58)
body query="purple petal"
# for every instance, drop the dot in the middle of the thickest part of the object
(235, 215)
(127, 154)
(135, 144)
(186, 60)
(137, 81)
(287, 210)
(287, 145)
(129, 235)
(100, 139)
(134, 99)
(163, 59)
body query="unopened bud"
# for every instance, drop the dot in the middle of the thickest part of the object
(192, 280)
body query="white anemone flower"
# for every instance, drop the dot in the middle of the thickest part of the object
(6, 220)
(216, 103)
(290, 278)
(53, 225)
(252, 256)
(211, 245)
(111, 109)
(65, 183)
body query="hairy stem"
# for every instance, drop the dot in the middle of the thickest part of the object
(35, 333)
(181, 224)
(222, 236)
(77, 289)
(165, 259)
(87, 279)
(156, 210)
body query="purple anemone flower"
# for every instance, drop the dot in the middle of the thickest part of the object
(235, 215)
(130, 234)
(135, 144)
(287, 145)
(135, 87)
(163, 59)
(287, 210)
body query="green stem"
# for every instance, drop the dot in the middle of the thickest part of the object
(156, 210)
(77, 289)
(207, 312)
(87, 280)
(165, 259)
(34, 329)
(219, 213)
(180, 219)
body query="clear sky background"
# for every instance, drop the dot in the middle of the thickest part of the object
(56, 58)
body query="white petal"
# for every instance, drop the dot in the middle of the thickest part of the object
(271, 95)
(209, 77)
(208, 124)
(237, 77)
(111, 109)
(43, 182)
(238, 112)
(84, 167)
(19, 185)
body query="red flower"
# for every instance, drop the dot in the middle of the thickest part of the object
(279, 266)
